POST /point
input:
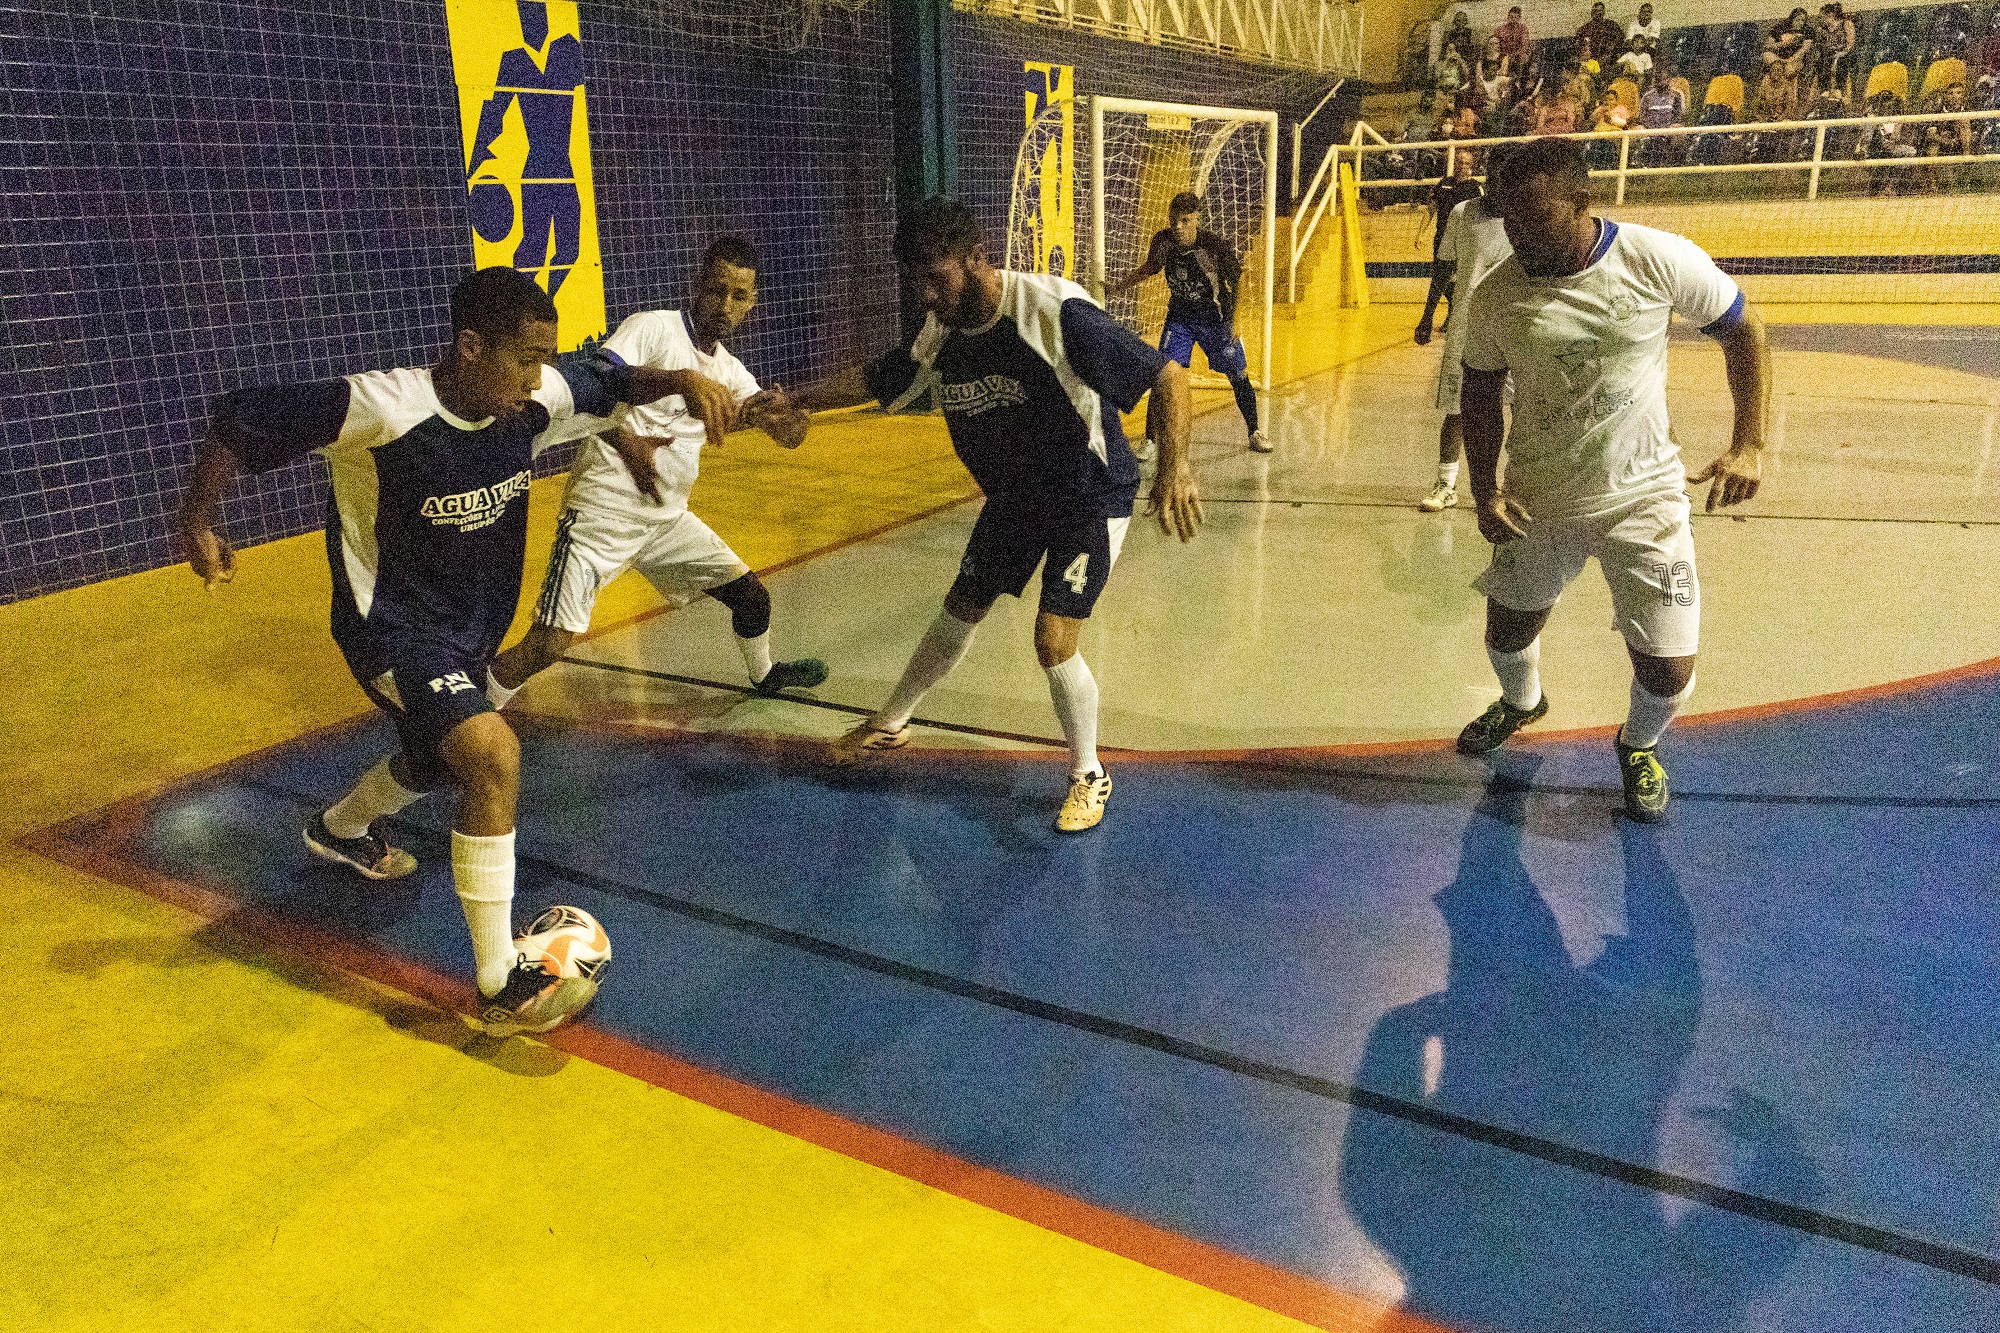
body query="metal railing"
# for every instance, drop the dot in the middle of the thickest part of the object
(1814, 165)
(1318, 35)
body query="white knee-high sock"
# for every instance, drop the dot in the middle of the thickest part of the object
(1073, 690)
(940, 649)
(1520, 674)
(483, 869)
(1650, 714)
(756, 655)
(377, 794)
(1448, 473)
(497, 694)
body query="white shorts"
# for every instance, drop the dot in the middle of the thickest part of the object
(1646, 550)
(680, 556)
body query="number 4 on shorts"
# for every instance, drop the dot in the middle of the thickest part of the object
(1077, 575)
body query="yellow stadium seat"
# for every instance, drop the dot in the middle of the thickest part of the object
(1726, 90)
(1628, 93)
(1941, 75)
(1680, 85)
(1891, 76)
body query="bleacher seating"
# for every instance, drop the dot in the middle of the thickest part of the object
(1889, 76)
(1940, 74)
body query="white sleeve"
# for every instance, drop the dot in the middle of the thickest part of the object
(736, 377)
(649, 338)
(1453, 247)
(1701, 292)
(1482, 347)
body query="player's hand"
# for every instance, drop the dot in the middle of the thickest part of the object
(210, 555)
(1732, 478)
(774, 413)
(710, 402)
(636, 453)
(1423, 333)
(1177, 502)
(1501, 518)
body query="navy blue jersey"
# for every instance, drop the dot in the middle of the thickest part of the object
(1201, 278)
(427, 524)
(1032, 400)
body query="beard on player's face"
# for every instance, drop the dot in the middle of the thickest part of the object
(954, 289)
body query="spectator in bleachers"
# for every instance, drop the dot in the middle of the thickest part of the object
(1578, 85)
(1787, 47)
(1513, 38)
(1637, 60)
(1885, 139)
(1451, 74)
(1492, 84)
(1645, 26)
(1776, 95)
(1559, 114)
(1831, 104)
(1661, 106)
(1459, 38)
(1525, 115)
(1600, 33)
(1608, 117)
(1947, 138)
(1833, 48)
(1587, 61)
(1988, 64)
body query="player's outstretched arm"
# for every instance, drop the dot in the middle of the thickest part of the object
(1479, 404)
(1442, 272)
(1175, 499)
(209, 553)
(846, 387)
(1733, 478)
(705, 398)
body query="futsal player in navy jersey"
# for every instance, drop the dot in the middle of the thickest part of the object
(426, 530)
(1203, 277)
(1032, 376)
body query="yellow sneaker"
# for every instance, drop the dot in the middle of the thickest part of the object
(865, 742)
(1084, 806)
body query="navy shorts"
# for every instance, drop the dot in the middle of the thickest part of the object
(1006, 546)
(1221, 346)
(427, 689)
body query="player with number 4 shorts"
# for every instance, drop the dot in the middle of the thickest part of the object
(1578, 318)
(1032, 375)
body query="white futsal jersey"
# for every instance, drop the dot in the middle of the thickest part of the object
(1475, 239)
(660, 340)
(1588, 356)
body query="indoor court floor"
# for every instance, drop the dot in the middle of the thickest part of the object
(1324, 1025)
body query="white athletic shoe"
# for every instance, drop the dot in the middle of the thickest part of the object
(1083, 808)
(865, 742)
(1444, 495)
(1260, 443)
(1143, 451)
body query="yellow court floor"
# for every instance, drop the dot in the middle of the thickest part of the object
(207, 1132)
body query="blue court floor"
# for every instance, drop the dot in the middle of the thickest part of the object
(1444, 1032)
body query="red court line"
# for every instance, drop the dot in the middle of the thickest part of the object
(100, 844)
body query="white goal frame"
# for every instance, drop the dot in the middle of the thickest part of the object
(1268, 119)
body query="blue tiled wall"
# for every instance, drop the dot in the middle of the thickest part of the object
(206, 192)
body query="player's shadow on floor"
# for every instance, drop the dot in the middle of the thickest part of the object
(1588, 1057)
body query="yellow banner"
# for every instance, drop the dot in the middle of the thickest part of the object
(1052, 207)
(531, 205)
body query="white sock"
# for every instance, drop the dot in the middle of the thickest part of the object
(497, 694)
(1073, 690)
(377, 794)
(1650, 714)
(1448, 474)
(940, 649)
(483, 869)
(1520, 674)
(756, 656)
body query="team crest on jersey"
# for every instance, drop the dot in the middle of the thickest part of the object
(1623, 307)
(973, 397)
(469, 511)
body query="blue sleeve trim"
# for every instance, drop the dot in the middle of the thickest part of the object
(1728, 320)
(598, 381)
(1608, 232)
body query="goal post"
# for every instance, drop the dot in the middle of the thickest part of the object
(1144, 152)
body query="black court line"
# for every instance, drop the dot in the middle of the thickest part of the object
(1698, 513)
(1944, 1258)
(1052, 742)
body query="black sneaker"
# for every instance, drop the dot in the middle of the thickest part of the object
(1645, 783)
(1491, 728)
(367, 854)
(800, 675)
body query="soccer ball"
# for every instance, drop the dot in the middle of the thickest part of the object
(568, 943)
(560, 962)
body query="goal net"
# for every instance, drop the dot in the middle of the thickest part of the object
(1144, 153)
